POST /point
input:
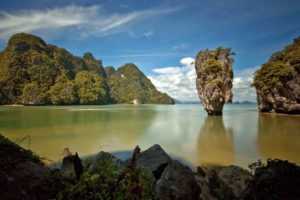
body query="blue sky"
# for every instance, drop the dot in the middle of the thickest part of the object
(160, 34)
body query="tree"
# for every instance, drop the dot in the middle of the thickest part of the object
(63, 91)
(33, 94)
(91, 88)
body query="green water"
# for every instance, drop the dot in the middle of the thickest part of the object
(240, 137)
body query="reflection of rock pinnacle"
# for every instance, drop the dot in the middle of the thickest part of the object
(215, 142)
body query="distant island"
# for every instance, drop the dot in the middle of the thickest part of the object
(33, 72)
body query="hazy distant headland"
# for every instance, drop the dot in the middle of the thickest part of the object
(33, 72)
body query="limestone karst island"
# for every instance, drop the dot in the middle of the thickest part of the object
(149, 100)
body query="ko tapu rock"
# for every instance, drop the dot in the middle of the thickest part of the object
(277, 82)
(214, 79)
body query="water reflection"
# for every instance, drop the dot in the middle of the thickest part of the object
(215, 142)
(279, 137)
(84, 130)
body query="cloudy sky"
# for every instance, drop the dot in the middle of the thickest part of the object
(160, 36)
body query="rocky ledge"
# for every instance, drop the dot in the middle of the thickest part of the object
(277, 83)
(214, 79)
(149, 174)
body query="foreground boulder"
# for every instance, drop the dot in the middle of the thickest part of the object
(72, 167)
(177, 182)
(23, 175)
(277, 83)
(214, 79)
(154, 159)
(276, 180)
(218, 182)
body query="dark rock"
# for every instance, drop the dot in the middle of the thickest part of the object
(23, 175)
(276, 180)
(214, 79)
(222, 182)
(133, 161)
(236, 178)
(154, 159)
(72, 166)
(177, 182)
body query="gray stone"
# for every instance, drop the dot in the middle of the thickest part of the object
(177, 182)
(154, 159)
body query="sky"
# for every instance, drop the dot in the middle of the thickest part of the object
(161, 37)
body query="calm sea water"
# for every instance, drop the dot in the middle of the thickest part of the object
(240, 137)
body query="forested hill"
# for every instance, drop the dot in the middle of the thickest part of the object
(33, 72)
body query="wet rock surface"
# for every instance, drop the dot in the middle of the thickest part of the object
(214, 79)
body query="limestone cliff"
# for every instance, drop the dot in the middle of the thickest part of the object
(214, 79)
(129, 85)
(33, 72)
(277, 83)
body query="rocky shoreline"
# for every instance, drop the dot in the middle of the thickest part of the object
(148, 174)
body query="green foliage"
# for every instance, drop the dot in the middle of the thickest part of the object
(212, 66)
(33, 94)
(63, 92)
(92, 89)
(272, 75)
(281, 67)
(28, 63)
(109, 183)
(128, 83)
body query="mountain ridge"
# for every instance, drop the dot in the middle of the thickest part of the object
(33, 72)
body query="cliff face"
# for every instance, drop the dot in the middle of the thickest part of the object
(33, 72)
(129, 85)
(277, 83)
(214, 79)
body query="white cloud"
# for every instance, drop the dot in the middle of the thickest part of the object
(180, 81)
(187, 61)
(148, 34)
(87, 20)
(242, 90)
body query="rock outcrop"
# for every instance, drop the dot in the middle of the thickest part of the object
(23, 176)
(177, 182)
(277, 179)
(154, 159)
(277, 83)
(214, 79)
